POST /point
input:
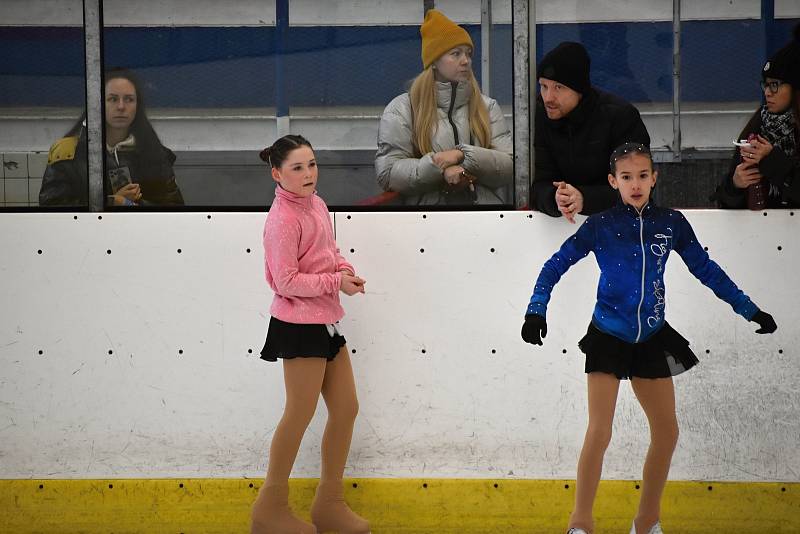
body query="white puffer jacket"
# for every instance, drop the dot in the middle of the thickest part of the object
(418, 179)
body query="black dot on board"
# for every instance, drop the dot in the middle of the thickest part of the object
(566, 486)
(355, 484)
(637, 486)
(765, 214)
(530, 215)
(708, 351)
(710, 488)
(422, 250)
(41, 352)
(74, 217)
(494, 351)
(39, 251)
(180, 351)
(108, 251)
(352, 250)
(208, 216)
(705, 248)
(250, 485)
(179, 251)
(349, 217)
(491, 250)
(780, 351)
(424, 216)
(248, 251)
(181, 485)
(423, 351)
(563, 351)
(496, 485)
(110, 352)
(353, 351)
(780, 247)
(425, 485)
(111, 486)
(249, 351)
(791, 214)
(99, 217)
(501, 215)
(782, 489)
(41, 486)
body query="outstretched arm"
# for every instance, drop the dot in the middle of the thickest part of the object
(571, 252)
(709, 272)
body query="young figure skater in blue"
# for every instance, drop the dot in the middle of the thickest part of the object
(628, 337)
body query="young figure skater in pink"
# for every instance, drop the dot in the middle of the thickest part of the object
(628, 337)
(306, 272)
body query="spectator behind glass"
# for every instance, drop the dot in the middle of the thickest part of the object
(138, 167)
(577, 128)
(766, 174)
(444, 142)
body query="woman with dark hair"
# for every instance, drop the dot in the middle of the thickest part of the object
(138, 167)
(765, 172)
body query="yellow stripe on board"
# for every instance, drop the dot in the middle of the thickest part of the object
(464, 506)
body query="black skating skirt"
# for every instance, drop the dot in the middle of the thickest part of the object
(665, 353)
(292, 340)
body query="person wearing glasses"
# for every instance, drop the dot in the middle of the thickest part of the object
(138, 167)
(443, 142)
(576, 128)
(765, 171)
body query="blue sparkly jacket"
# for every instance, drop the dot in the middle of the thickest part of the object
(631, 249)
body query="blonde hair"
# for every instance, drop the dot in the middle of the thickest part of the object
(424, 120)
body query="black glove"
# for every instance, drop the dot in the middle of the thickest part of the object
(534, 329)
(765, 321)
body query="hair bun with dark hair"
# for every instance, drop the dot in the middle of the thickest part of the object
(280, 149)
(264, 154)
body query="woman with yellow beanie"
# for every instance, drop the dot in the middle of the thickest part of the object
(443, 142)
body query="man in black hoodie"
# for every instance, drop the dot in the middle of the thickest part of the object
(577, 129)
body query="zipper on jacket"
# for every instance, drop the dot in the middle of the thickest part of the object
(454, 88)
(641, 299)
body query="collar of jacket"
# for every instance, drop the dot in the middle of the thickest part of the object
(580, 114)
(633, 212)
(128, 142)
(293, 197)
(444, 92)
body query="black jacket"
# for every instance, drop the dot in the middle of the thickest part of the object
(66, 182)
(576, 149)
(782, 172)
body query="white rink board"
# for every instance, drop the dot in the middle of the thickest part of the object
(456, 411)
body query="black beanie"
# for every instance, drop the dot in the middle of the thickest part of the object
(785, 64)
(568, 63)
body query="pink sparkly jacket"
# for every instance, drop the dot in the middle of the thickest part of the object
(301, 261)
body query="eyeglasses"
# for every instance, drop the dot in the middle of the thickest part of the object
(772, 86)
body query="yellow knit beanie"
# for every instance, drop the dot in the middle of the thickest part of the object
(440, 34)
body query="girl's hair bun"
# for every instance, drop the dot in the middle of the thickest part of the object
(276, 154)
(264, 154)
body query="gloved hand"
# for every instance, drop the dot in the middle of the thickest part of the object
(534, 329)
(765, 321)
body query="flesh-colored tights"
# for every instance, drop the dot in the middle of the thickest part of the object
(305, 379)
(657, 398)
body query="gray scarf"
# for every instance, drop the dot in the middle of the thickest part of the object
(778, 129)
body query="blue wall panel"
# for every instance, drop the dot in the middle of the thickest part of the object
(224, 67)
